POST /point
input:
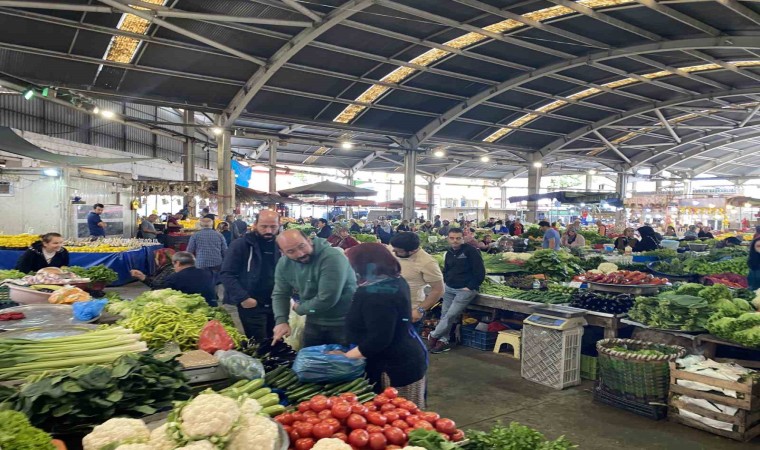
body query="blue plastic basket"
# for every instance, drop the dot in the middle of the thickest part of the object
(481, 340)
(644, 259)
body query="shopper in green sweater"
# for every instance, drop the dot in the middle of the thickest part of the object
(324, 282)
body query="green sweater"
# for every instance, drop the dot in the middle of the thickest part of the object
(325, 285)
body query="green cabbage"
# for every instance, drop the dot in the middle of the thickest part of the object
(749, 337)
(16, 433)
(689, 289)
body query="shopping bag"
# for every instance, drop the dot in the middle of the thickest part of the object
(297, 323)
(86, 311)
(240, 366)
(316, 365)
(214, 337)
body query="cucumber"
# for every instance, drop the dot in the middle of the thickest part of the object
(269, 400)
(274, 410)
(260, 393)
(252, 386)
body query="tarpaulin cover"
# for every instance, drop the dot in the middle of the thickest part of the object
(242, 174)
(140, 259)
(570, 197)
(13, 143)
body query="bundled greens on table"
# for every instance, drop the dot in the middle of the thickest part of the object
(11, 274)
(24, 357)
(556, 265)
(361, 237)
(186, 302)
(514, 437)
(701, 266)
(16, 433)
(680, 309)
(133, 386)
(737, 320)
(495, 263)
(96, 274)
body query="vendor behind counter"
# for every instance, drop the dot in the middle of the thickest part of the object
(47, 252)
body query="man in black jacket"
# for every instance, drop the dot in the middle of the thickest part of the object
(463, 272)
(248, 275)
(324, 230)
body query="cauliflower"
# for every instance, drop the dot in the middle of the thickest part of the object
(116, 431)
(198, 445)
(135, 447)
(160, 439)
(250, 407)
(208, 415)
(607, 267)
(255, 433)
(595, 271)
(331, 444)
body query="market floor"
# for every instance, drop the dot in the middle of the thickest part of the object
(478, 389)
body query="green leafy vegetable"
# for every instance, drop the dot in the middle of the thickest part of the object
(16, 433)
(429, 439)
(96, 274)
(514, 437)
(11, 274)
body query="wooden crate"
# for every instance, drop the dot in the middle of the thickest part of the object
(746, 422)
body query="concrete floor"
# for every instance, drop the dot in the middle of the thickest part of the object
(477, 389)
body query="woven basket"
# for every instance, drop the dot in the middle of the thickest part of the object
(642, 378)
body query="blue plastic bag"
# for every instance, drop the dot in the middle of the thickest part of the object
(314, 365)
(84, 311)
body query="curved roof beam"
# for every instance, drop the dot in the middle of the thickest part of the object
(285, 53)
(612, 119)
(698, 151)
(681, 44)
(724, 160)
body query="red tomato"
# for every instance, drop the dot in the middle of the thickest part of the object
(445, 426)
(318, 403)
(358, 438)
(391, 416)
(368, 404)
(313, 420)
(355, 421)
(334, 424)
(390, 392)
(398, 401)
(424, 424)
(387, 407)
(304, 444)
(349, 397)
(304, 429)
(358, 408)
(341, 410)
(430, 416)
(402, 413)
(400, 424)
(374, 428)
(371, 408)
(409, 406)
(309, 413)
(381, 400)
(395, 436)
(294, 436)
(376, 418)
(297, 416)
(377, 441)
(304, 406)
(457, 436)
(322, 430)
(326, 414)
(342, 436)
(411, 420)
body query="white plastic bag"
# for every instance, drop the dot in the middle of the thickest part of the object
(297, 323)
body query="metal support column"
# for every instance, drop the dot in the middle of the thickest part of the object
(534, 187)
(589, 182)
(430, 197)
(410, 174)
(226, 188)
(272, 166)
(503, 197)
(687, 189)
(188, 117)
(622, 189)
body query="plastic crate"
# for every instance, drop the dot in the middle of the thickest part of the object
(650, 411)
(588, 367)
(481, 340)
(551, 357)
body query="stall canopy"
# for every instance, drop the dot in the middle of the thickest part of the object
(743, 202)
(13, 143)
(395, 204)
(610, 198)
(344, 202)
(248, 195)
(330, 189)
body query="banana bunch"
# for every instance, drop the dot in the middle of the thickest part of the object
(18, 240)
(98, 249)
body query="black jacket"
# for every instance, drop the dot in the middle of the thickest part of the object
(379, 323)
(193, 280)
(464, 268)
(33, 260)
(647, 243)
(356, 228)
(325, 232)
(241, 272)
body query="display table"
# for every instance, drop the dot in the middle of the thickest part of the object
(122, 262)
(609, 322)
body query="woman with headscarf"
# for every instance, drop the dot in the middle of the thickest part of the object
(626, 240)
(671, 232)
(648, 240)
(753, 278)
(572, 239)
(691, 233)
(384, 232)
(164, 268)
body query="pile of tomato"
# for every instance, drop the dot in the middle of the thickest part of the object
(380, 424)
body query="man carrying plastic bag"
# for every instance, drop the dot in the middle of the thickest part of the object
(325, 283)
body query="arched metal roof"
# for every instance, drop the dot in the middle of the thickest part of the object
(477, 86)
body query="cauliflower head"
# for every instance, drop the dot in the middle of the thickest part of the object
(160, 439)
(255, 433)
(135, 447)
(208, 415)
(607, 267)
(250, 407)
(116, 431)
(198, 445)
(331, 444)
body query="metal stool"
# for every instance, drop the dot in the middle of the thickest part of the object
(509, 337)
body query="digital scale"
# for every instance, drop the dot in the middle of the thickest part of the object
(557, 317)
